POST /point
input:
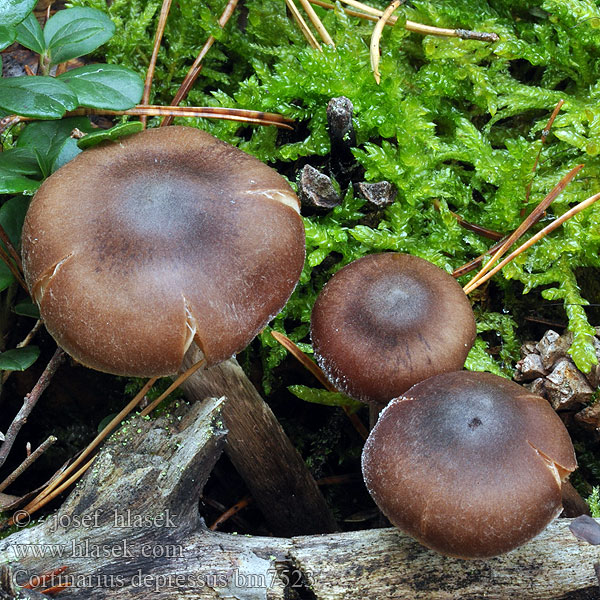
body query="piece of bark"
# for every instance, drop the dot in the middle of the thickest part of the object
(155, 470)
(379, 194)
(275, 473)
(343, 138)
(566, 386)
(315, 190)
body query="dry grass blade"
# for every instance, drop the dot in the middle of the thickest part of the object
(35, 506)
(306, 32)
(91, 447)
(533, 217)
(320, 376)
(376, 37)
(308, 364)
(194, 71)
(208, 112)
(314, 19)
(162, 21)
(172, 387)
(537, 237)
(373, 14)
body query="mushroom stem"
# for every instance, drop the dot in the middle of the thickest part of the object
(260, 450)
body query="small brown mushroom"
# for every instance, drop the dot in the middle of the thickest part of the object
(469, 464)
(135, 249)
(387, 321)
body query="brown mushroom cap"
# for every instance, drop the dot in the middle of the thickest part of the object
(387, 321)
(135, 248)
(469, 464)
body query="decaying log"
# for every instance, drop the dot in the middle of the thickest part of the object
(275, 473)
(131, 529)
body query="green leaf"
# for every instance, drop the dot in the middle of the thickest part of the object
(18, 359)
(76, 31)
(48, 138)
(39, 97)
(110, 87)
(14, 11)
(27, 309)
(12, 215)
(30, 35)
(317, 396)
(114, 133)
(67, 152)
(7, 36)
(16, 165)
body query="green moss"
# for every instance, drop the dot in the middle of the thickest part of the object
(453, 120)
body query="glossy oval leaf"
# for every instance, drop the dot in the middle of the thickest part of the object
(40, 97)
(114, 133)
(110, 87)
(76, 31)
(17, 165)
(12, 215)
(27, 309)
(47, 138)
(7, 36)
(6, 277)
(14, 11)
(18, 359)
(30, 35)
(67, 152)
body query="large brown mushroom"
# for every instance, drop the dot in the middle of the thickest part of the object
(469, 464)
(135, 249)
(387, 321)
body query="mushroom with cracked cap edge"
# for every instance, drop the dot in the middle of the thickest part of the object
(136, 248)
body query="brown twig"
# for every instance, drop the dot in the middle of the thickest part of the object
(38, 501)
(160, 29)
(532, 218)
(27, 462)
(11, 258)
(239, 505)
(208, 112)
(373, 14)
(173, 387)
(483, 231)
(320, 376)
(29, 403)
(35, 506)
(194, 71)
(544, 137)
(538, 236)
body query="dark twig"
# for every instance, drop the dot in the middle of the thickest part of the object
(488, 233)
(195, 69)
(160, 29)
(373, 14)
(29, 403)
(27, 462)
(544, 137)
